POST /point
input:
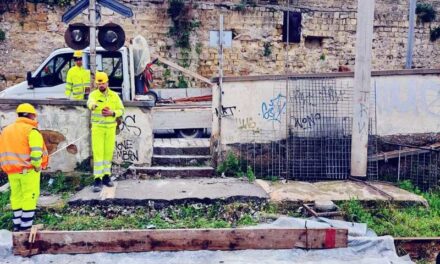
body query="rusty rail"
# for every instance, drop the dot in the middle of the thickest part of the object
(418, 248)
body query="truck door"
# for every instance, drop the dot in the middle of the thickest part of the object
(50, 82)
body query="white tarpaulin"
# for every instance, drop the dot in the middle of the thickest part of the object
(363, 248)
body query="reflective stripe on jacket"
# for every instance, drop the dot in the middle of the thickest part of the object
(22, 147)
(108, 99)
(77, 80)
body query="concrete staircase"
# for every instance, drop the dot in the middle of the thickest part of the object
(183, 158)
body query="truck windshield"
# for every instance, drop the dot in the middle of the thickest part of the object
(54, 72)
(111, 63)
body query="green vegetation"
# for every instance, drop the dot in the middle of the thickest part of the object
(232, 166)
(435, 34)
(425, 12)
(2, 35)
(384, 218)
(240, 7)
(140, 217)
(5, 213)
(199, 47)
(267, 49)
(182, 83)
(250, 174)
(183, 23)
(64, 185)
(408, 221)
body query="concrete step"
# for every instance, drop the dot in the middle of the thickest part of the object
(175, 172)
(181, 142)
(181, 160)
(181, 151)
(181, 146)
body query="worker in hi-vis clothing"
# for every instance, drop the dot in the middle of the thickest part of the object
(78, 79)
(23, 155)
(106, 107)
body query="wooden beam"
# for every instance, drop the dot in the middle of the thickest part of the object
(186, 71)
(403, 153)
(76, 242)
(418, 248)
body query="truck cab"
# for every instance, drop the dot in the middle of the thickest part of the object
(49, 79)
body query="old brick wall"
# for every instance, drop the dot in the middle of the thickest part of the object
(327, 41)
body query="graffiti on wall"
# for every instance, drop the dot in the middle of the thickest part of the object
(247, 123)
(127, 151)
(307, 122)
(128, 125)
(325, 95)
(274, 109)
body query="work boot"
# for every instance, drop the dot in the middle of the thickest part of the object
(97, 186)
(107, 181)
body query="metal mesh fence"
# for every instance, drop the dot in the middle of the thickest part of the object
(320, 128)
(318, 141)
(420, 165)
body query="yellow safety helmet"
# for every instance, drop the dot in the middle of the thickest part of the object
(26, 108)
(101, 77)
(77, 54)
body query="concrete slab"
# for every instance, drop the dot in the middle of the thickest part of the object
(174, 190)
(297, 191)
(52, 201)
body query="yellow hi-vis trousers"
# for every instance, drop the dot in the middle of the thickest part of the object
(25, 190)
(103, 145)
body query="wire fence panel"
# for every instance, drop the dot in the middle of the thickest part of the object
(318, 141)
(419, 165)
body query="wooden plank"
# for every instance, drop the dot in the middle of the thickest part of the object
(75, 242)
(403, 153)
(186, 71)
(418, 248)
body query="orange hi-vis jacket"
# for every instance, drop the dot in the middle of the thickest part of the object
(18, 151)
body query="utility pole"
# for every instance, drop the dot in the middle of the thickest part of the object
(92, 21)
(220, 87)
(362, 86)
(412, 20)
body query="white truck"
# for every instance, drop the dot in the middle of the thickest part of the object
(49, 79)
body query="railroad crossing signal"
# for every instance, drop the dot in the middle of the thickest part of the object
(111, 36)
(83, 4)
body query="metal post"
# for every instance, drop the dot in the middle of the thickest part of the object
(286, 71)
(362, 86)
(398, 165)
(92, 20)
(409, 51)
(220, 83)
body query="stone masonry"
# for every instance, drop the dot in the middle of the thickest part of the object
(327, 39)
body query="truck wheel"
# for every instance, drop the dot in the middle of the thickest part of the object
(153, 96)
(189, 133)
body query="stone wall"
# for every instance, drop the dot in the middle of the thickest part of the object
(327, 40)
